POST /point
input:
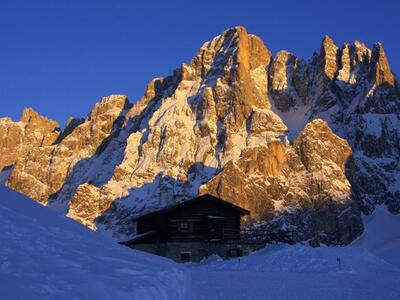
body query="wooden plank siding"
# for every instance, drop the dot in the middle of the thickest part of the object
(203, 221)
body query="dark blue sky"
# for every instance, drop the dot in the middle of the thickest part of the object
(60, 57)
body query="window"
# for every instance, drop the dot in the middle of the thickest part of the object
(185, 227)
(186, 256)
(182, 225)
(235, 252)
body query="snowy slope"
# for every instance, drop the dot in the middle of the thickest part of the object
(299, 272)
(47, 256)
(382, 235)
(368, 269)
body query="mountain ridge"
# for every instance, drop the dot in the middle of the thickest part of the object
(233, 109)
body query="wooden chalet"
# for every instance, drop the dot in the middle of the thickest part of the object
(192, 230)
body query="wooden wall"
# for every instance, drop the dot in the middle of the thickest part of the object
(197, 215)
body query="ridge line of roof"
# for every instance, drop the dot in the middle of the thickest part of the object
(178, 205)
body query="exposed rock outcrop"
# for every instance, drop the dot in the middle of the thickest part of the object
(46, 157)
(381, 72)
(328, 59)
(303, 144)
(279, 183)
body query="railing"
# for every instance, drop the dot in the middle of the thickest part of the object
(267, 236)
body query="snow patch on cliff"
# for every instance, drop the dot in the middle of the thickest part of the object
(295, 119)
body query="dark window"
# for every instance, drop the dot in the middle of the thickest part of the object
(234, 252)
(185, 227)
(186, 256)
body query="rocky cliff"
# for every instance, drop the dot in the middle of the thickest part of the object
(308, 145)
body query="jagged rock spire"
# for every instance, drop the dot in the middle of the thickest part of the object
(381, 72)
(328, 57)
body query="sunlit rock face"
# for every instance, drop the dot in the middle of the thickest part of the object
(278, 183)
(43, 156)
(305, 145)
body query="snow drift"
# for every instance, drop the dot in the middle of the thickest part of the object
(367, 269)
(382, 235)
(299, 272)
(48, 256)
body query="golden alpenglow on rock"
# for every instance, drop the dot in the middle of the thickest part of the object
(301, 143)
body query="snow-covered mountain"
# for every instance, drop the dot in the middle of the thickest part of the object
(303, 144)
(47, 256)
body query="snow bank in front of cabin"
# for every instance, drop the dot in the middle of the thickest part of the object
(367, 269)
(298, 272)
(304, 259)
(47, 256)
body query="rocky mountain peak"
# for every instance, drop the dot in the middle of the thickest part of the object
(30, 116)
(109, 104)
(279, 72)
(210, 127)
(38, 130)
(238, 60)
(362, 53)
(328, 57)
(246, 50)
(345, 63)
(252, 52)
(381, 72)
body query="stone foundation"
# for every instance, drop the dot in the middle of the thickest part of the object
(196, 251)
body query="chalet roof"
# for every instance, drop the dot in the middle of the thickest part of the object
(205, 197)
(138, 237)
